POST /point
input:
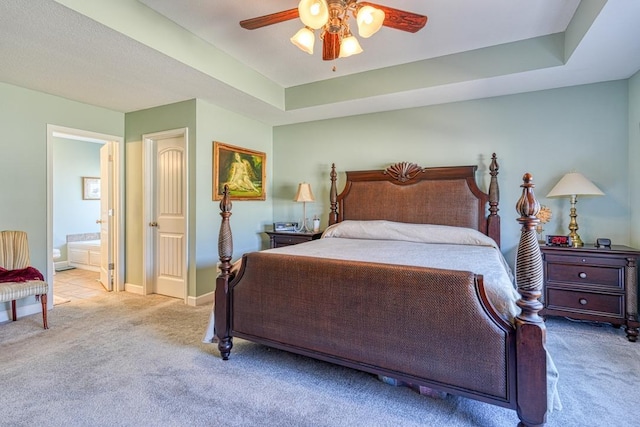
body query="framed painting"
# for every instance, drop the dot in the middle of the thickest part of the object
(90, 188)
(243, 170)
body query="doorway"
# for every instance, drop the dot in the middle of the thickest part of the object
(105, 207)
(165, 218)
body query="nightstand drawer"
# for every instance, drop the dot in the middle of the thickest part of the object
(585, 275)
(585, 259)
(279, 239)
(290, 240)
(585, 302)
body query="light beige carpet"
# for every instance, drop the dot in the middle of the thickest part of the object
(130, 360)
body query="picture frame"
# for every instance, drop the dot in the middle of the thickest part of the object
(90, 188)
(243, 170)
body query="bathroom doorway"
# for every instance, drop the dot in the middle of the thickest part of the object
(85, 210)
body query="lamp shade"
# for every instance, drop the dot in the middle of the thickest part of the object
(313, 13)
(304, 193)
(349, 46)
(369, 21)
(574, 184)
(304, 39)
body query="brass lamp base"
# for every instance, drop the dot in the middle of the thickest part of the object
(576, 241)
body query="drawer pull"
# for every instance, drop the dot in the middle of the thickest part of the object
(583, 275)
(583, 301)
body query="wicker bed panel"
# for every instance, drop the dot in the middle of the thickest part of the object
(443, 202)
(311, 307)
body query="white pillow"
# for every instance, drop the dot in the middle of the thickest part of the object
(423, 233)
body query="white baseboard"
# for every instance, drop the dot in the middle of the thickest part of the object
(191, 301)
(201, 300)
(21, 310)
(134, 289)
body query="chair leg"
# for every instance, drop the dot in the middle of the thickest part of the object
(43, 300)
(13, 310)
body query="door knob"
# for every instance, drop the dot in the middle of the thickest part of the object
(153, 224)
(98, 221)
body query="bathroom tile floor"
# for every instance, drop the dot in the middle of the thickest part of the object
(75, 284)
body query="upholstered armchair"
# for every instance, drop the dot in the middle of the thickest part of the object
(17, 278)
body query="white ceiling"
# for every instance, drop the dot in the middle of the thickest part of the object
(453, 26)
(55, 49)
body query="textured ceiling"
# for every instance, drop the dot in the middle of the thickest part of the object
(164, 51)
(453, 26)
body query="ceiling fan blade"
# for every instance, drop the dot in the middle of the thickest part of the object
(400, 19)
(274, 18)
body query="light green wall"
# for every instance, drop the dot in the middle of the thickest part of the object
(174, 116)
(634, 157)
(516, 57)
(593, 128)
(546, 133)
(248, 218)
(206, 123)
(24, 115)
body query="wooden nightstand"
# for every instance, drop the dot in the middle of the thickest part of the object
(279, 239)
(592, 284)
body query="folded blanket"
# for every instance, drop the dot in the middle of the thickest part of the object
(21, 275)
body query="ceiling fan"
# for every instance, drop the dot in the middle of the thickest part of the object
(331, 17)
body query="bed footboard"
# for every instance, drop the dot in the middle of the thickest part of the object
(410, 323)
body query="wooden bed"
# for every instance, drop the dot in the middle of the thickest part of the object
(429, 328)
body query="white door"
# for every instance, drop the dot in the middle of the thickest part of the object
(169, 222)
(105, 221)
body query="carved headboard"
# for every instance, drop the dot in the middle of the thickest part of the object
(406, 192)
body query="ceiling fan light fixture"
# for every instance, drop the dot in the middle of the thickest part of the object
(349, 46)
(304, 39)
(313, 13)
(369, 20)
(331, 19)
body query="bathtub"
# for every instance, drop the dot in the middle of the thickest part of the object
(84, 254)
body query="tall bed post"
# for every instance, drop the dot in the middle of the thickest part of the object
(493, 221)
(333, 196)
(225, 252)
(530, 329)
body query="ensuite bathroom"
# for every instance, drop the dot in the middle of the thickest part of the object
(75, 218)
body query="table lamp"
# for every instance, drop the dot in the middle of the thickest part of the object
(574, 184)
(304, 195)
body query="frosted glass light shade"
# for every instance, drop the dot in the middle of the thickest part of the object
(313, 13)
(369, 21)
(304, 193)
(349, 46)
(304, 39)
(574, 184)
